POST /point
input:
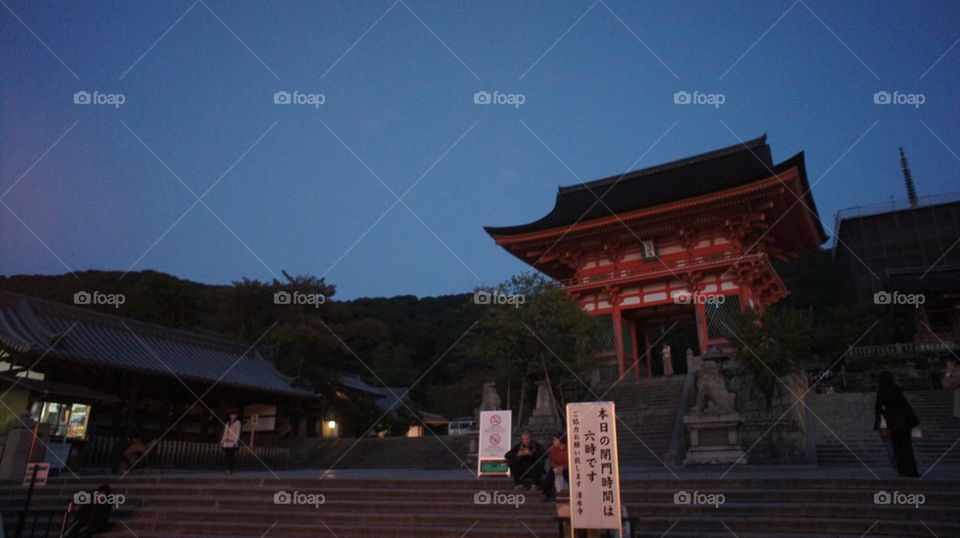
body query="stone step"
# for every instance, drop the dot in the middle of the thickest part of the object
(720, 525)
(476, 528)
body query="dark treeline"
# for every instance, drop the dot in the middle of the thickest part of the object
(398, 338)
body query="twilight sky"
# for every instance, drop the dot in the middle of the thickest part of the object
(387, 111)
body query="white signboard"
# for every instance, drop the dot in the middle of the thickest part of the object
(594, 466)
(260, 418)
(494, 442)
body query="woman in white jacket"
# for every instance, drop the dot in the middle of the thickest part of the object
(230, 441)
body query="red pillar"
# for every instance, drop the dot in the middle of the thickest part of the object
(647, 352)
(700, 310)
(636, 351)
(618, 339)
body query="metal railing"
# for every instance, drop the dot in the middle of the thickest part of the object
(902, 350)
(896, 205)
(103, 451)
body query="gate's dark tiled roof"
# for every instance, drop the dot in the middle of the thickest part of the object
(706, 173)
(31, 326)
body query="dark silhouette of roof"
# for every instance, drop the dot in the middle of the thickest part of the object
(710, 172)
(33, 326)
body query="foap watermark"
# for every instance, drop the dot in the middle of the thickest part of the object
(96, 98)
(299, 497)
(699, 498)
(896, 98)
(897, 298)
(298, 98)
(898, 497)
(699, 298)
(95, 298)
(698, 98)
(81, 498)
(499, 498)
(497, 98)
(484, 297)
(297, 298)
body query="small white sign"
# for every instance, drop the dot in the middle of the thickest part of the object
(494, 441)
(594, 466)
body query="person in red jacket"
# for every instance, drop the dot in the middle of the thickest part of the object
(557, 477)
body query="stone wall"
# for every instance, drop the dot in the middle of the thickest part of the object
(775, 435)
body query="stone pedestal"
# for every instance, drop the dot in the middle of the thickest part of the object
(16, 446)
(544, 421)
(714, 439)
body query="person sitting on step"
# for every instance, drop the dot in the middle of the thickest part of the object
(557, 477)
(526, 463)
(132, 455)
(93, 517)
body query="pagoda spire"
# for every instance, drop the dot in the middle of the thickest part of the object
(908, 180)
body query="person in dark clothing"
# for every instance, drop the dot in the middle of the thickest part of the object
(526, 461)
(893, 406)
(92, 518)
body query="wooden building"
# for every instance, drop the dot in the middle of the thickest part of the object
(906, 254)
(87, 376)
(687, 240)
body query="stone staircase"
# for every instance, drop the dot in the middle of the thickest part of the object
(428, 453)
(773, 504)
(242, 507)
(791, 507)
(647, 409)
(850, 419)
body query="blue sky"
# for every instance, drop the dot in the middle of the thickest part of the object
(307, 189)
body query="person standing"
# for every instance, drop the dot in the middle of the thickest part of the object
(667, 356)
(951, 382)
(230, 441)
(892, 406)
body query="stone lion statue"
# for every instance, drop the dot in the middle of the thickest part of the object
(491, 400)
(712, 391)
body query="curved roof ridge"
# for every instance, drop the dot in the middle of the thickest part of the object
(679, 163)
(37, 305)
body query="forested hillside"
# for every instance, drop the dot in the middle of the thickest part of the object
(399, 338)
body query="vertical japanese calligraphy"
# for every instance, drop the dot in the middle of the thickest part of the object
(594, 465)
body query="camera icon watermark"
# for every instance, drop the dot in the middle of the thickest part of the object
(897, 298)
(96, 98)
(297, 298)
(297, 98)
(497, 98)
(896, 98)
(715, 299)
(299, 498)
(484, 297)
(899, 498)
(697, 98)
(82, 498)
(95, 298)
(699, 498)
(499, 498)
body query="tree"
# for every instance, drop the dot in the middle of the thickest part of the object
(771, 345)
(531, 329)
